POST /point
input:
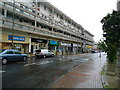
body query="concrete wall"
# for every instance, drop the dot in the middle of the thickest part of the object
(118, 5)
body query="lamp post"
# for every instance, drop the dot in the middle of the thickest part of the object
(100, 51)
(13, 25)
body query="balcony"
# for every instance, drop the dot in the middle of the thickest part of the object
(23, 12)
(27, 28)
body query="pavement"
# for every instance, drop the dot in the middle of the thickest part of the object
(86, 75)
(111, 74)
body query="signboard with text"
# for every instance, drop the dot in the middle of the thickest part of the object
(38, 40)
(16, 38)
(53, 43)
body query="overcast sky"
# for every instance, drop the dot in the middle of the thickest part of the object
(88, 13)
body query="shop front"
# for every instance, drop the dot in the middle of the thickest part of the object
(79, 48)
(89, 48)
(75, 48)
(17, 42)
(66, 48)
(54, 46)
(37, 43)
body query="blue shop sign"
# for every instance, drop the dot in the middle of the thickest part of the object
(16, 38)
(53, 42)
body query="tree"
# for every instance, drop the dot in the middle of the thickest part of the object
(102, 46)
(111, 32)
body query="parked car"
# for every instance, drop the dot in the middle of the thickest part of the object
(94, 51)
(12, 55)
(43, 53)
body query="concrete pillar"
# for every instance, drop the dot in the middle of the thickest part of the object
(5, 13)
(63, 19)
(53, 10)
(30, 45)
(35, 23)
(1, 39)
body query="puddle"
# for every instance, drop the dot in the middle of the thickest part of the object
(85, 59)
(45, 62)
(30, 64)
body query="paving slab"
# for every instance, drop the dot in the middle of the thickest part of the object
(86, 75)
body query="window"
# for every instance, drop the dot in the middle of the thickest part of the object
(38, 4)
(10, 15)
(21, 5)
(33, 2)
(1, 3)
(38, 14)
(9, 52)
(57, 15)
(26, 7)
(33, 11)
(21, 20)
(11, 1)
(17, 52)
(44, 7)
(2, 11)
(26, 13)
(17, 3)
(17, 9)
(30, 9)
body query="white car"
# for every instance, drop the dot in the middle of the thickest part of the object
(43, 53)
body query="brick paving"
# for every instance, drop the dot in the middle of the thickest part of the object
(87, 75)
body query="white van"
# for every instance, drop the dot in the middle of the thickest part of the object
(43, 53)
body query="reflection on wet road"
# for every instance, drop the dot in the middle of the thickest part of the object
(40, 72)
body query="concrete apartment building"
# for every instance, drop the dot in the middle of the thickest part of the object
(118, 5)
(27, 26)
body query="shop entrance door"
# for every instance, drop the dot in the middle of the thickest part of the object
(31, 48)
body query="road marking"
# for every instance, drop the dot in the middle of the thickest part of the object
(30, 64)
(1, 71)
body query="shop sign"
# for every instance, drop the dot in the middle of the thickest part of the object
(65, 44)
(79, 45)
(38, 40)
(75, 45)
(16, 38)
(53, 43)
(89, 47)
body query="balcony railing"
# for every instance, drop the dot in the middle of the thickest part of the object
(22, 11)
(36, 30)
(41, 20)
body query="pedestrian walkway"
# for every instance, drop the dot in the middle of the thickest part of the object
(87, 75)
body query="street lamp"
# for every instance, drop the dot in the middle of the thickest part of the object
(13, 25)
(100, 50)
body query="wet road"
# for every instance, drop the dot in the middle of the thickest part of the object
(39, 73)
